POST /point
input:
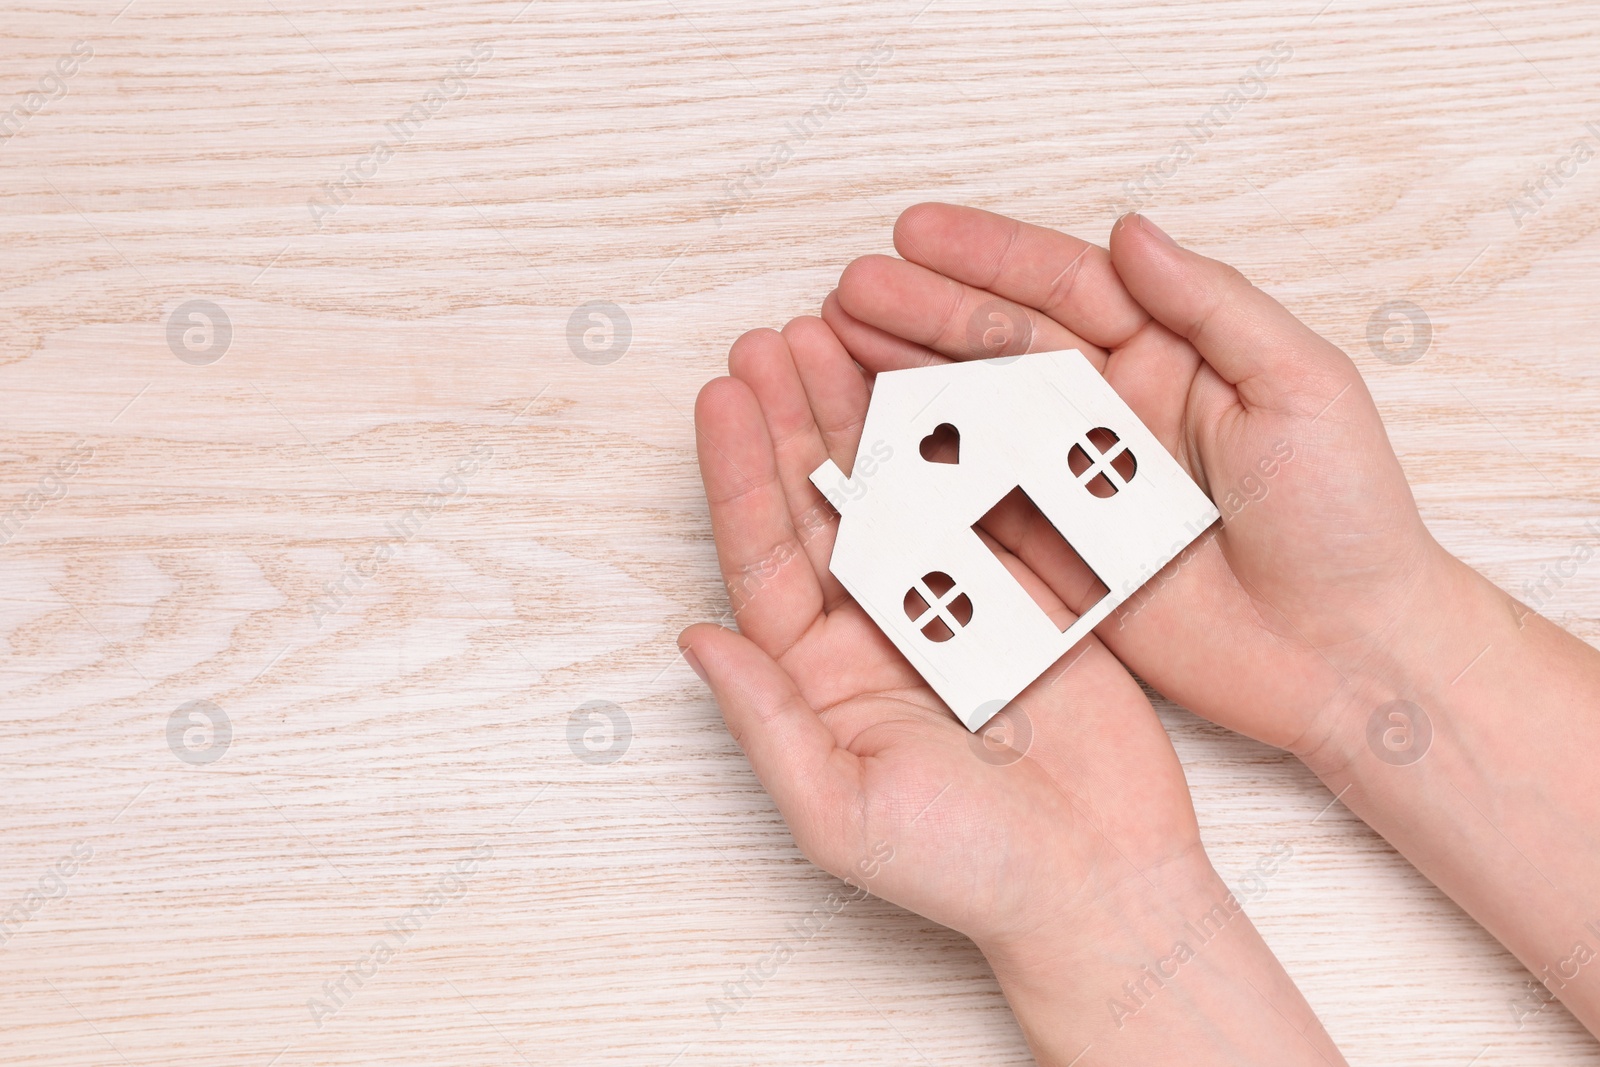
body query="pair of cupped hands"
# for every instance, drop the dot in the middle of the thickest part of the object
(878, 781)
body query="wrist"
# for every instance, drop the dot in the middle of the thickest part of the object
(1459, 749)
(1162, 966)
(1392, 692)
(1114, 911)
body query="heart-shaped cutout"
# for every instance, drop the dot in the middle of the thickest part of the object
(943, 445)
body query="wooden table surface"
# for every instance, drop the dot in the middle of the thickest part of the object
(344, 551)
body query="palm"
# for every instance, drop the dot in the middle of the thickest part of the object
(874, 762)
(1320, 530)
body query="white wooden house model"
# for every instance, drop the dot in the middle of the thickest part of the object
(907, 550)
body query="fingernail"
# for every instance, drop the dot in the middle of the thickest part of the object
(1156, 231)
(694, 663)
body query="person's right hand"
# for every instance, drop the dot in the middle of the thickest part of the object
(1321, 575)
(1322, 617)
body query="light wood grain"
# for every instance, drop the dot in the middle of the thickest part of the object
(428, 317)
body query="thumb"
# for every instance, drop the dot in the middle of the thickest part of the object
(792, 751)
(1246, 336)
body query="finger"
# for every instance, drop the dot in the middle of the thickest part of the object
(794, 754)
(1017, 524)
(1068, 279)
(1270, 357)
(1153, 372)
(1174, 392)
(834, 386)
(764, 361)
(1060, 614)
(876, 350)
(772, 585)
(947, 316)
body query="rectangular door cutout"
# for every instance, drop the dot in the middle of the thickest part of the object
(1016, 520)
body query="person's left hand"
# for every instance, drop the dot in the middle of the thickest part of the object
(1070, 857)
(879, 783)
